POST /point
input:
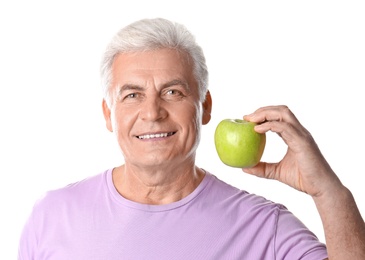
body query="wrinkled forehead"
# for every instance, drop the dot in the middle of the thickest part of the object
(159, 58)
(157, 65)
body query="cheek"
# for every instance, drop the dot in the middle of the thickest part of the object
(193, 117)
(187, 113)
(197, 114)
(195, 122)
(119, 122)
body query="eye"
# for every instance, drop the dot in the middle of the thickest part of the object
(131, 95)
(174, 92)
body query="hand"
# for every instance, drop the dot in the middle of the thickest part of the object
(303, 166)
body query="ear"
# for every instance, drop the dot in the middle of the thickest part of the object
(207, 108)
(107, 116)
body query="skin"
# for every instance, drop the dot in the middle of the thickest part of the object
(155, 92)
(305, 169)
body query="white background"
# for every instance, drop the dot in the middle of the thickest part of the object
(308, 55)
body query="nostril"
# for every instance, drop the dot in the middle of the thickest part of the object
(152, 111)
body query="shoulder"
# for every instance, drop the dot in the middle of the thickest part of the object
(238, 200)
(74, 192)
(263, 218)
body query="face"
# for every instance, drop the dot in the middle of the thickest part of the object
(154, 109)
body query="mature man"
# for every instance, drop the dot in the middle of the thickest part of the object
(159, 204)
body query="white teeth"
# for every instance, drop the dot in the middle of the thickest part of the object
(153, 136)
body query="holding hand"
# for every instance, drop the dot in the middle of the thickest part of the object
(303, 166)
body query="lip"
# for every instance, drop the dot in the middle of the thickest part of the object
(155, 135)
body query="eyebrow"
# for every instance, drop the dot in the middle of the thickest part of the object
(174, 82)
(129, 86)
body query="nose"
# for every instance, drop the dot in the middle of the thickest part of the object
(152, 109)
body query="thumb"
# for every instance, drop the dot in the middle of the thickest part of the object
(262, 170)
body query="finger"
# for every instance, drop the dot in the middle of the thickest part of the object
(272, 113)
(284, 129)
(294, 136)
(262, 170)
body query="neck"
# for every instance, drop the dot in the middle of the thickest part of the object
(156, 187)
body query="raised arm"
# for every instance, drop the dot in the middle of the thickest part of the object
(305, 169)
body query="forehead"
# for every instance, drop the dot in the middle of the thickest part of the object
(163, 63)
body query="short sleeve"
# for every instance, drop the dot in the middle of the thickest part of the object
(293, 240)
(27, 242)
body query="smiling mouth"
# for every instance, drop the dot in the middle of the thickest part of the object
(152, 136)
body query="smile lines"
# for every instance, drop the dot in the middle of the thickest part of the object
(150, 136)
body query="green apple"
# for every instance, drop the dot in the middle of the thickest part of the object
(238, 144)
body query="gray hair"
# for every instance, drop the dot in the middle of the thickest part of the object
(152, 34)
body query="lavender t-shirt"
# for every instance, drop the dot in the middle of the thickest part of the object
(90, 220)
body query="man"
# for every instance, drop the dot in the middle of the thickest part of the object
(159, 204)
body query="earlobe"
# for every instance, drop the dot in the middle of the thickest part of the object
(107, 116)
(207, 108)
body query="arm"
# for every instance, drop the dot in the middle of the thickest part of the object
(305, 169)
